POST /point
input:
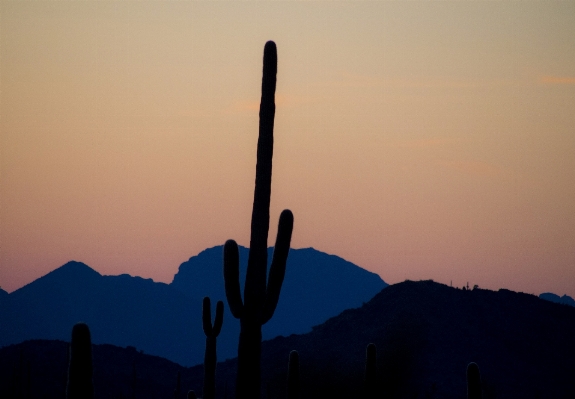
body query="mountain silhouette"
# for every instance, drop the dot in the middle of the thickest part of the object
(165, 319)
(122, 310)
(118, 372)
(316, 286)
(425, 333)
(565, 299)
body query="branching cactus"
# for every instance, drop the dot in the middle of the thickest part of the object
(80, 383)
(212, 333)
(473, 381)
(370, 371)
(293, 376)
(260, 296)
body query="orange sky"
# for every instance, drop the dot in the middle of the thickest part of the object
(418, 140)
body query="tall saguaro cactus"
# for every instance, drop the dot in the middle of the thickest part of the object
(212, 333)
(473, 381)
(80, 384)
(260, 299)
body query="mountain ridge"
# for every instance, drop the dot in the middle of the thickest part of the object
(565, 299)
(425, 333)
(165, 319)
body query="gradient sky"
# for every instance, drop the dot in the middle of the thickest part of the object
(420, 140)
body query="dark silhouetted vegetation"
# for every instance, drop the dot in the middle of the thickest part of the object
(371, 372)
(473, 381)
(293, 376)
(212, 332)
(80, 380)
(260, 296)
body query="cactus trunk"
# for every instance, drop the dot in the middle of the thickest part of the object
(80, 384)
(211, 332)
(210, 368)
(293, 376)
(473, 381)
(249, 367)
(370, 371)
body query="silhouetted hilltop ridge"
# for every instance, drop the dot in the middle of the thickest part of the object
(115, 371)
(164, 319)
(426, 333)
(565, 299)
(122, 310)
(316, 286)
(70, 274)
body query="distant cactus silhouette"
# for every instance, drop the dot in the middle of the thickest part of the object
(134, 379)
(260, 301)
(178, 384)
(473, 381)
(80, 383)
(370, 372)
(293, 376)
(212, 333)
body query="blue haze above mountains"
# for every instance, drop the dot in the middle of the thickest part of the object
(165, 319)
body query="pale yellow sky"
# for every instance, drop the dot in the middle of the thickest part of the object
(418, 140)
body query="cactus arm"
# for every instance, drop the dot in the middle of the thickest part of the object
(207, 317)
(219, 319)
(232, 278)
(278, 266)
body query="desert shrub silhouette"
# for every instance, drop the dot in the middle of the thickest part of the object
(212, 332)
(260, 299)
(80, 383)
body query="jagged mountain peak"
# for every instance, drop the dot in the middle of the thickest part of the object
(565, 299)
(72, 272)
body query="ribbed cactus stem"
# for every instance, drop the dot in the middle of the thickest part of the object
(370, 371)
(80, 383)
(473, 381)
(211, 332)
(261, 294)
(293, 376)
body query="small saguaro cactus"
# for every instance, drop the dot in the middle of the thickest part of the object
(293, 376)
(80, 383)
(370, 371)
(212, 333)
(473, 381)
(178, 384)
(260, 299)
